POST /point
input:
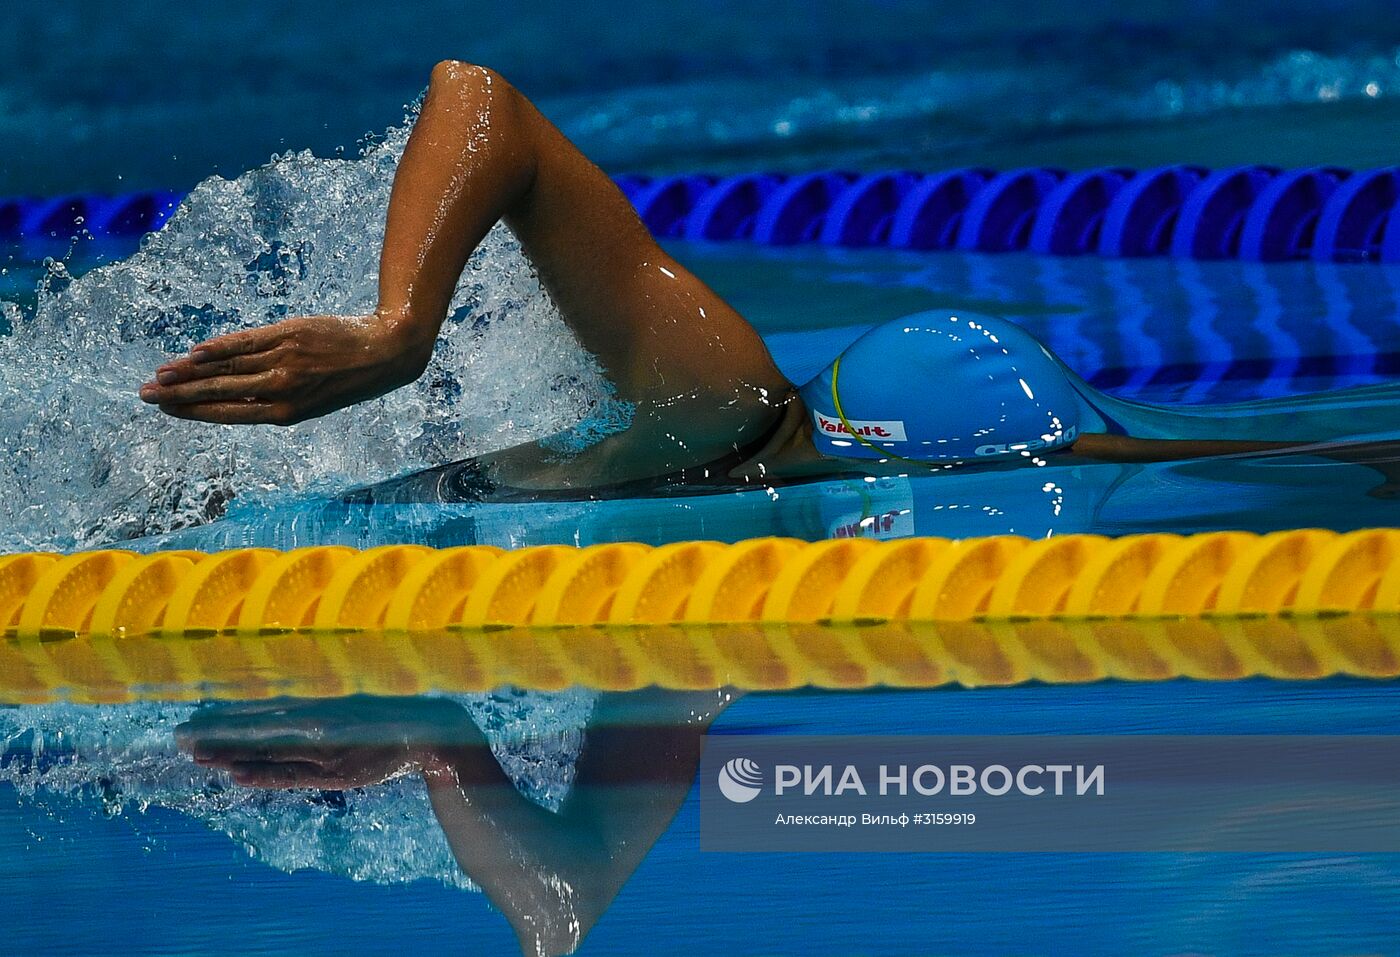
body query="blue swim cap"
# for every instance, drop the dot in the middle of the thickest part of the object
(943, 386)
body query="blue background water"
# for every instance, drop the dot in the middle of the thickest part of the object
(101, 96)
(161, 93)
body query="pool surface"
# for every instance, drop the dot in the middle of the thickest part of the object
(264, 815)
(101, 799)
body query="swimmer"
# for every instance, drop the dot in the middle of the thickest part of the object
(708, 405)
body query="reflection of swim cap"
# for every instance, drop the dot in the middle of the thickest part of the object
(943, 386)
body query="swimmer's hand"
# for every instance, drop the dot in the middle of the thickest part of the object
(333, 745)
(290, 371)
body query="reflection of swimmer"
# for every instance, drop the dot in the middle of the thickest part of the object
(552, 874)
(705, 402)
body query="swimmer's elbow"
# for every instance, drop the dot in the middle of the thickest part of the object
(457, 86)
(459, 76)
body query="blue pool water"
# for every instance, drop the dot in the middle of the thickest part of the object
(147, 99)
(111, 839)
(187, 883)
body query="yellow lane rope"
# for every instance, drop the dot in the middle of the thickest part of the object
(414, 588)
(764, 613)
(233, 665)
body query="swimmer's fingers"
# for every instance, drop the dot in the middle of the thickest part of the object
(240, 343)
(281, 776)
(186, 369)
(254, 412)
(237, 353)
(288, 777)
(216, 752)
(263, 385)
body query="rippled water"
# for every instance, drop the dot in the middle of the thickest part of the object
(148, 100)
(126, 758)
(83, 462)
(185, 887)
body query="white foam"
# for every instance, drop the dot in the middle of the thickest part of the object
(124, 756)
(84, 463)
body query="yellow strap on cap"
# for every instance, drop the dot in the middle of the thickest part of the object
(851, 429)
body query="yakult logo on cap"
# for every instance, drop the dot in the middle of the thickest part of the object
(876, 430)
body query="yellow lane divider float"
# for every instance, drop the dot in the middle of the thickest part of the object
(764, 613)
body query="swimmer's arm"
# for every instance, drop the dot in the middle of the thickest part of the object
(553, 875)
(1380, 456)
(1126, 448)
(479, 153)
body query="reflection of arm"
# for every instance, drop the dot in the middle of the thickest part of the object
(529, 862)
(553, 875)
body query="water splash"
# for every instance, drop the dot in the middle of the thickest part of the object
(84, 463)
(123, 759)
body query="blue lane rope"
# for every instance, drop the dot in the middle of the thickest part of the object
(130, 214)
(1255, 213)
